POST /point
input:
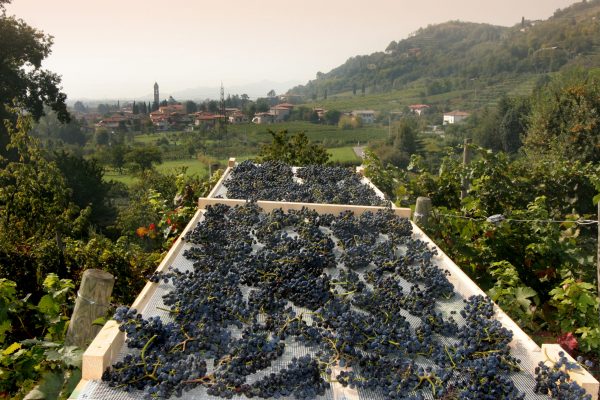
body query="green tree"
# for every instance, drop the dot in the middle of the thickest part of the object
(514, 115)
(117, 157)
(80, 107)
(142, 158)
(332, 117)
(294, 150)
(34, 197)
(102, 137)
(407, 140)
(143, 108)
(23, 81)
(35, 212)
(85, 179)
(190, 107)
(564, 118)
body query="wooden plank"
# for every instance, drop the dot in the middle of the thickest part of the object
(102, 351)
(581, 376)
(231, 162)
(219, 184)
(78, 389)
(269, 206)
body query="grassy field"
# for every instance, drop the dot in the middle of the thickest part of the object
(194, 167)
(342, 154)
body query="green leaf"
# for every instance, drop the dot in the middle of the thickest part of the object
(5, 326)
(50, 282)
(49, 388)
(523, 294)
(47, 305)
(11, 349)
(596, 199)
(585, 300)
(99, 321)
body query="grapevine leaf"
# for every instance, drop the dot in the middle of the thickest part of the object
(11, 349)
(49, 387)
(47, 305)
(522, 296)
(5, 326)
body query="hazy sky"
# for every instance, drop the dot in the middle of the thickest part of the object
(118, 48)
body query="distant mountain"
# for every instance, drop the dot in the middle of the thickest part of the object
(450, 56)
(253, 90)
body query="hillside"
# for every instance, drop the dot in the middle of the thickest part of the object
(462, 56)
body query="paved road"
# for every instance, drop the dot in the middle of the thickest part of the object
(359, 151)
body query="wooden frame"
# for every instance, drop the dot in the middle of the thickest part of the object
(105, 347)
(335, 209)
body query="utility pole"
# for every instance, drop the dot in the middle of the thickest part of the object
(466, 160)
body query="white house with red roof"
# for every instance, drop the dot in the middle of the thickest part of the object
(418, 108)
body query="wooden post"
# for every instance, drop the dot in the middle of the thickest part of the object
(422, 211)
(92, 303)
(466, 161)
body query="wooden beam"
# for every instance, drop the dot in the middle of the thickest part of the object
(335, 209)
(102, 351)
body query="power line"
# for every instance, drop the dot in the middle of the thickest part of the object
(497, 218)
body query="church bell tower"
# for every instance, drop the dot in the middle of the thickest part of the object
(156, 96)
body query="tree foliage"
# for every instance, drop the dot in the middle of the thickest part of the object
(34, 197)
(565, 118)
(143, 158)
(22, 79)
(293, 150)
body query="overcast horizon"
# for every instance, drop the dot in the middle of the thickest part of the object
(113, 49)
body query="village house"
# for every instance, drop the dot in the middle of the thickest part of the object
(366, 116)
(281, 111)
(168, 116)
(320, 112)
(418, 108)
(116, 122)
(207, 119)
(455, 117)
(263, 118)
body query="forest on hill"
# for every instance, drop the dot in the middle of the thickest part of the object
(458, 55)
